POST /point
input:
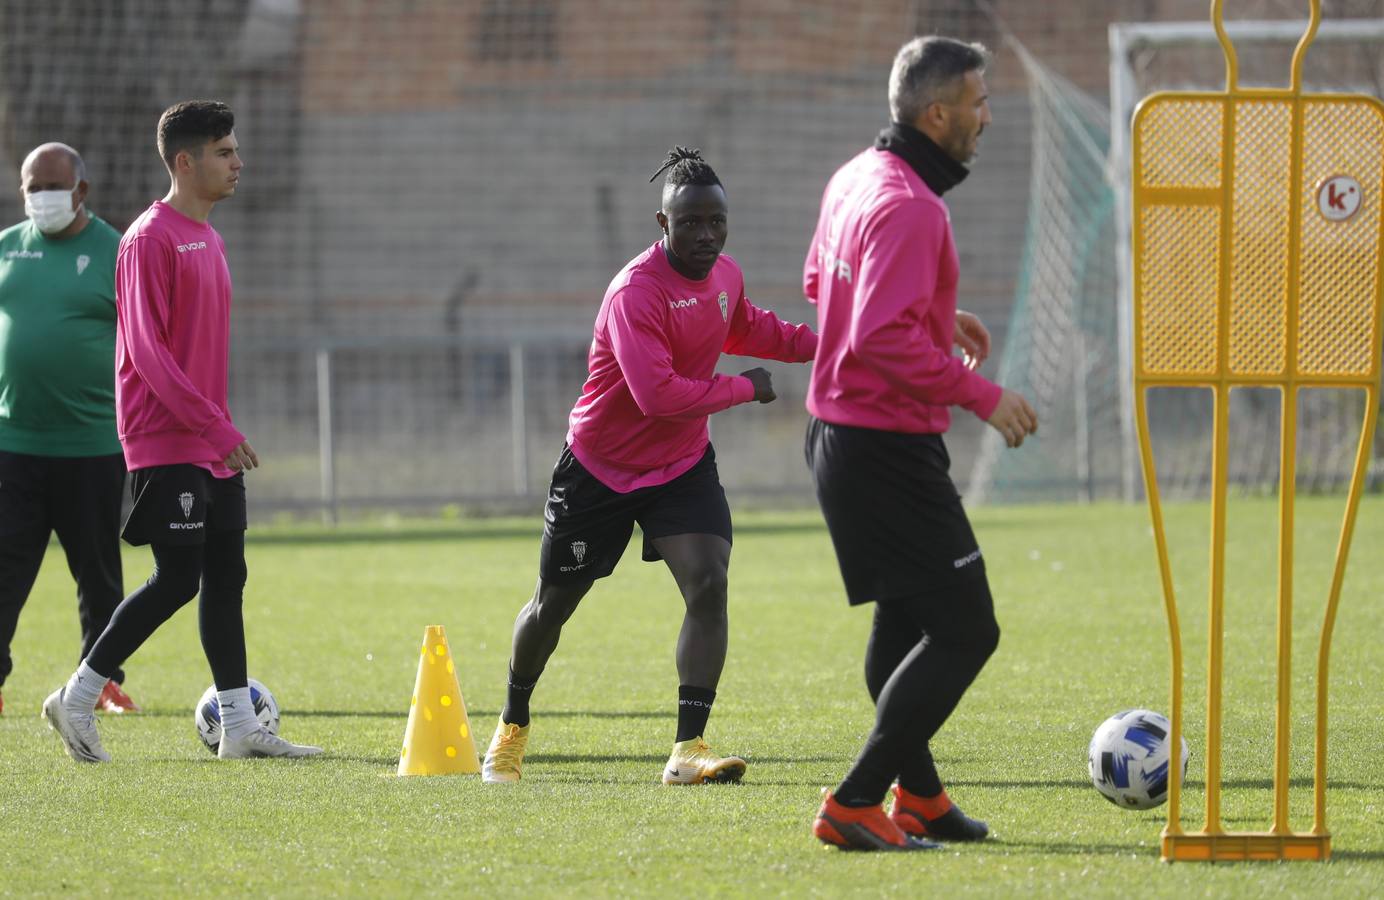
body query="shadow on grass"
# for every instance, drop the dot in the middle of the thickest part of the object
(293, 713)
(1266, 784)
(325, 757)
(347, 713)
(162, 713)
(539, 758)
(212, 759)
(661, 758)
(1081, 783)
(997, 783)
(586, 714)
(1072, 848)
(390, 762)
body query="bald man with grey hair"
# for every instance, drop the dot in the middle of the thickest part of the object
(55, 147)
(61, 466)
(47, 170)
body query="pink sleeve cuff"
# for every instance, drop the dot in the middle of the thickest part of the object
(742, 390)
(988, 397)
(223, 437)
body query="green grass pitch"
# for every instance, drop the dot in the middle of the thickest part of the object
(334, 619)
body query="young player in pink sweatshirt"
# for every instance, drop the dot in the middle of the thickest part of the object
(186, 458)
(883, 271)
(638, 451)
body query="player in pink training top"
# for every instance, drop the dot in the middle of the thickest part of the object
(883, 271)
(638, 451)
(187, 460)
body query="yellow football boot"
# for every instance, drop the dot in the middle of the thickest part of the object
(692, 762)
(505, 755)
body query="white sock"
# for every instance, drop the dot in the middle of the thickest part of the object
(83, 690)
(237, 713)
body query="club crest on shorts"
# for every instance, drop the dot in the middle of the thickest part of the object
(579, 551)
(724, 304)
(185, 501)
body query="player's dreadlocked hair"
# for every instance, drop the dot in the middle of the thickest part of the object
(686, 166)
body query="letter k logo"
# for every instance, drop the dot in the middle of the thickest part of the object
(1338, 198)
(1334, 199)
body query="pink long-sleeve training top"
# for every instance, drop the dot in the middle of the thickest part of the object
(172, 338)
(651, 383)
(883, 271)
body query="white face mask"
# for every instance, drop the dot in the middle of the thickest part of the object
(51, 211)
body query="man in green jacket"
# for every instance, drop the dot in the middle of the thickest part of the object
(61, 468)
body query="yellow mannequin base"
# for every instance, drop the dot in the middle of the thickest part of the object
(1228, 847)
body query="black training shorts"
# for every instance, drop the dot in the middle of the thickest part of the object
(894, 515)
(179, 504)
(586, 525)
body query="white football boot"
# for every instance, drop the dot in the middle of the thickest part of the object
(260, 743)
(78, 732)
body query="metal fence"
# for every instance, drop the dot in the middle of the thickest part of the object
(438, 192)
(430, 422)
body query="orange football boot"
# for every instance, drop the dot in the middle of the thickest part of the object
(934, 817)
(115, 700)
(862, 828)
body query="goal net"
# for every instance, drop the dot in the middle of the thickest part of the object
(1069, 334)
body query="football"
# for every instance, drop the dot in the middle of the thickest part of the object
(1128, 759)
(208, 713)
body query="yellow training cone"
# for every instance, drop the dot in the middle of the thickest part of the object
(437, 740)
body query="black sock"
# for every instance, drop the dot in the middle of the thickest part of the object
(855, 795)
(517, 694)
(924, 781)
(694, 706)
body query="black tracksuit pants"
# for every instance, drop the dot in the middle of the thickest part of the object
(79, 499)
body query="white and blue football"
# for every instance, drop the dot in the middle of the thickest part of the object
(1128, 758)
(208, 713)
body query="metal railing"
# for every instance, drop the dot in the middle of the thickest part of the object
(441, 420)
